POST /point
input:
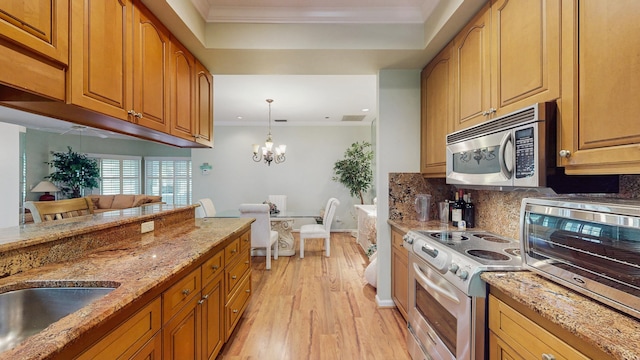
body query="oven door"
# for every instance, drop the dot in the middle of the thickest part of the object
(439, 315)
(485, 160)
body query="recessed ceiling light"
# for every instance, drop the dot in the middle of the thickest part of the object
(239, 118)
(365, 109)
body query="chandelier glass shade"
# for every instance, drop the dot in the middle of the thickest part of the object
(269, 153)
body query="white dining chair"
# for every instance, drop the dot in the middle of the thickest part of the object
(206, 208)
(320, 231)
(261, 234)
(280, 201)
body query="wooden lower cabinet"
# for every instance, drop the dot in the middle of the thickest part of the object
(514, 335)
(399, 272)
(192, 319)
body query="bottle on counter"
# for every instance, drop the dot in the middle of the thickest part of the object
(458, 208)
(469, 213)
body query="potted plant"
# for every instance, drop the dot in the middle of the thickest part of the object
(354, 171)
(73, 172)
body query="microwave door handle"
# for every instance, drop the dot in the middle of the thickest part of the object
(431, 285)
(506, 155)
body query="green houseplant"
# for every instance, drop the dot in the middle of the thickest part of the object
(73, 172)
(354, 171)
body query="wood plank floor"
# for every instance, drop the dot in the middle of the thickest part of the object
(317, 308)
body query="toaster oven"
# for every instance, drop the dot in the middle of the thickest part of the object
(591, 245)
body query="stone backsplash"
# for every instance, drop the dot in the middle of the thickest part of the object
(496, 211)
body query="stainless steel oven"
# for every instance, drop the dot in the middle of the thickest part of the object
(591, 245)
(447, 298)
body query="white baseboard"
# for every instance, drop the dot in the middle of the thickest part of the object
(385, 303)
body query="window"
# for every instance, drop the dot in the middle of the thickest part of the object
(169, 178)
(119, 174)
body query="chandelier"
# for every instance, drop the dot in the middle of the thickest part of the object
(269, 154)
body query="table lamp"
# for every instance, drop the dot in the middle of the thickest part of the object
(45, 187)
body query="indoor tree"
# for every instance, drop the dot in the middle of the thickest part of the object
(73, 172)
(354, 171)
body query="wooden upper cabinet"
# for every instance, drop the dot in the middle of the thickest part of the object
(472, 47)
(101, 69)
(437, 97)
(526, 62)
(204, 106)
(182, 70)
(151, 84)
(599, 107)
(39, 25)
(507, 58)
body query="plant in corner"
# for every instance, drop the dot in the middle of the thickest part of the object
(73, 172)
(354, 171)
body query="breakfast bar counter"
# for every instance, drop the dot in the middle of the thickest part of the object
(108, 250)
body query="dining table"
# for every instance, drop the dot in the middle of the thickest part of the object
(282, 222)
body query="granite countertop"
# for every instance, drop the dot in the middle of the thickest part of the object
(612, 332)
(135, 266)
(407, 225)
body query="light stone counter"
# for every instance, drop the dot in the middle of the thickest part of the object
(140, 266)
(614, 333)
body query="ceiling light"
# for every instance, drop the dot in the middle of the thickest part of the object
(269, 154)
(365, 109)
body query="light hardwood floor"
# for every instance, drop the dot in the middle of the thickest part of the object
(317, 308)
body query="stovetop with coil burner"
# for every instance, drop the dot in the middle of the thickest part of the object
(461, 256)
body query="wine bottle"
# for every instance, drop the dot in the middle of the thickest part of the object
(469, 214)
(458, 206)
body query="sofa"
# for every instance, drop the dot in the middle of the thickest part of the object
(102, 203)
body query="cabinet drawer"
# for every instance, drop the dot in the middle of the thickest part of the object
(231, 251)
(237, 304)
(236, 272)
(245, 241)
(212, 267)
(127, 339)
(524, 336)
(179, 294)
(396, 240)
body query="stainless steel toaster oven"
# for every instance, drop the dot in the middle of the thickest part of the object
(591, 245)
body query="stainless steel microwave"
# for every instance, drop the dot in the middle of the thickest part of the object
(512, 150)
(591, 245)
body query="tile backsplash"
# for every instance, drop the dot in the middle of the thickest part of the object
(496, 211)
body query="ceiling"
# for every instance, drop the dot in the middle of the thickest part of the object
(317, 59)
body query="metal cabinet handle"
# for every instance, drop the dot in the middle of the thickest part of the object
(138, 115)
(247, 291)
(205, 297)
(186, 292)
(215, 267)
(201, 302)
(234, 251)
(235, 311)
(548, 357)
(234, 277)
(492, 111)
(565, 153)
(131, 112)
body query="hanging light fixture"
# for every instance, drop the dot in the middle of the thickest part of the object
(269, 154)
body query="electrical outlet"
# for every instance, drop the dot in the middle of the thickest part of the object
(147, 227)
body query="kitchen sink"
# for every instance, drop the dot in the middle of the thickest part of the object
(26, 312)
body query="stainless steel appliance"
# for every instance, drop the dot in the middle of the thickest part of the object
(447, 307)
(517, 150)
(591, 245)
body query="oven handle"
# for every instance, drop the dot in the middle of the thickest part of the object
(433, 286)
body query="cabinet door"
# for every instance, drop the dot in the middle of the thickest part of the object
(525, 66)
(182, 70)
(152, 350)
(101, 71)
(39, 25)
(181, 336)
(204, 106)
(599, 107)
(213, 318)
(472, 69)
(437, 113)
(399, 273)
(151, 85)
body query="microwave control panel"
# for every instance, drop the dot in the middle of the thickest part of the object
(525, 153)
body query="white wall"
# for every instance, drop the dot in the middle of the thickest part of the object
(305, 177)
(398, 150)
(10, 179)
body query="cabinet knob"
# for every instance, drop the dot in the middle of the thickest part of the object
(205, 297)
(235, 311)
(548, 357)
(247, 291)
(215, 267)
(200, 302)
(234, 251)
(492, 111)
(138, 115)
(565, 153)
(234, 277)
(186, 292)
